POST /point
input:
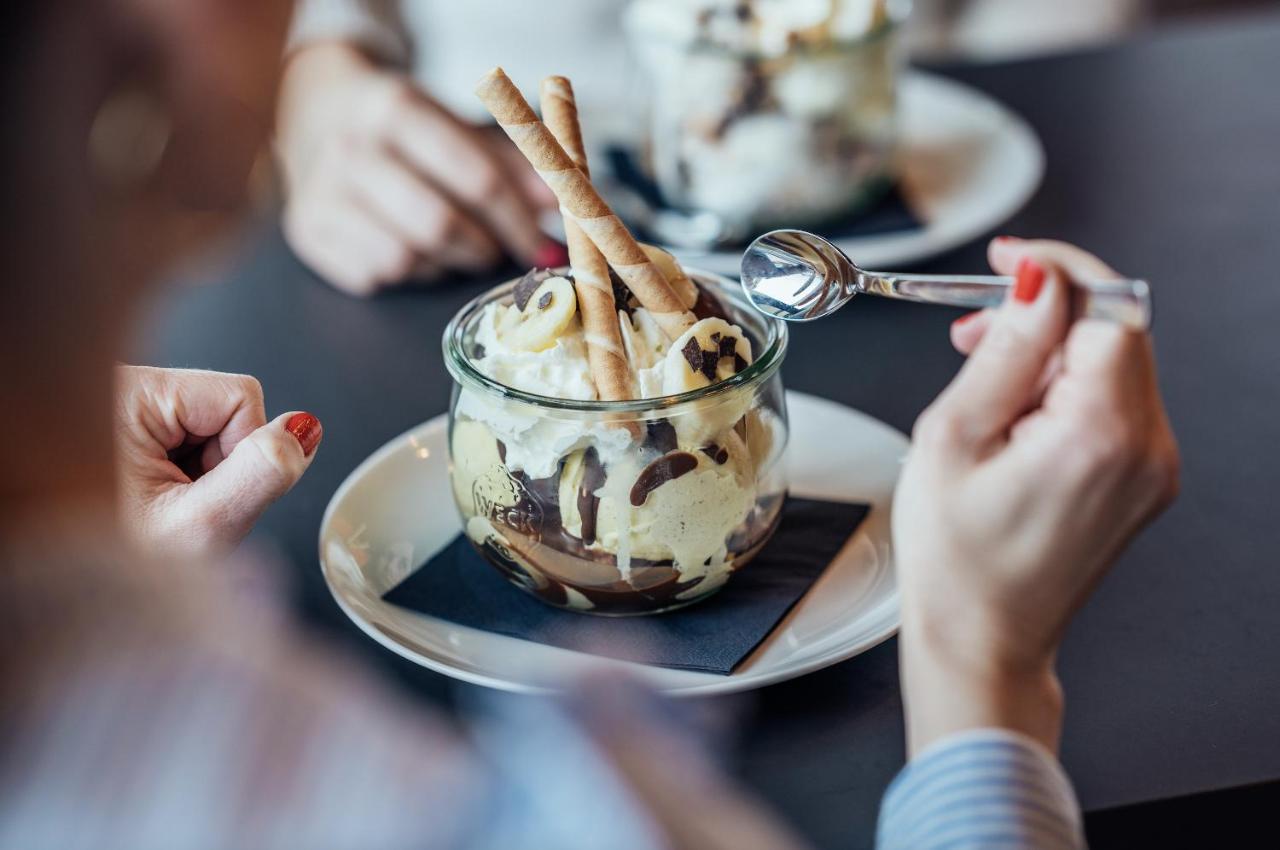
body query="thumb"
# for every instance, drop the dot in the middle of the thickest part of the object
(260, 469)
(1003, 375)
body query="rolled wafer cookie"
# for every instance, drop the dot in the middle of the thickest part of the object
(580, 200)
(605, 353)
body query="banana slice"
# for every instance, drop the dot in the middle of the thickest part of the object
(675, 275)
(710, 351)
(477, 467)
(571, 475)
(545, 317)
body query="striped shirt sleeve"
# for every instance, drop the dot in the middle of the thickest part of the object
(987, 788)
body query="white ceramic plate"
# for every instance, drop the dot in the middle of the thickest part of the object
(396, 510)
(967, 164)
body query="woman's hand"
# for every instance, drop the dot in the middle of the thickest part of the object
(385, 184)
(198, 460)
(1026, 478)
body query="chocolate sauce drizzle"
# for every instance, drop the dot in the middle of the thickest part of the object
(588, 502)
(669, 467)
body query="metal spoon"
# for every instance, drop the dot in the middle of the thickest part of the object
(799, 277)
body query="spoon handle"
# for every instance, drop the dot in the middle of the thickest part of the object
(1127, 302)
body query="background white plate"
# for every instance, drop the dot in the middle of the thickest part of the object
(396, 509)
(967, 164)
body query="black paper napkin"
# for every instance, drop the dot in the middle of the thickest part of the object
(889, 214)
(713, 636)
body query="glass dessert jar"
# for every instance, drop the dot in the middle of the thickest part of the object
(765, 121)
(627, 507)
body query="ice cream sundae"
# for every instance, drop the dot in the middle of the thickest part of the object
(769, 110)
(617, 427)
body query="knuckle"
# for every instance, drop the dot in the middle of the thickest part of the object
(338, 154)
(1007, 341)
(440, 229)
(397, 265)
(486, 184)
(277, 460)
(248, 386)
(389, 104)
(937, 428)
(1103, 446)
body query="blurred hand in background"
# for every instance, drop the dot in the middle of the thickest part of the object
(385, 184)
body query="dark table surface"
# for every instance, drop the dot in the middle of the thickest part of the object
(1164, 158)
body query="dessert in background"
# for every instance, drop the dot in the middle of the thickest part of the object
(631, 507)
(766, 111)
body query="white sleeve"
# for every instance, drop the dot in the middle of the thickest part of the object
(374, 25)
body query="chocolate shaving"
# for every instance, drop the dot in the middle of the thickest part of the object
(739, 363)
(728, 347)
(477, 353)
(660, 435)
(502, 451)
(669, 467)
(528, 285)
(545, 301)
(588, 502)
(709, 363)
(693, 353)
(715, 339)
(717, 453)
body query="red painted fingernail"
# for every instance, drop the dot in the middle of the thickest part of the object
(966, 318)
(1029, 282)
(551, 255)
(1005, 240)
(307, 430)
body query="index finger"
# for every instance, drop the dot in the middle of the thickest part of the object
(169, 405)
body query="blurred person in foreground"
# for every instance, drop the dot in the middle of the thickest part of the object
(150, 702)
(392, 174)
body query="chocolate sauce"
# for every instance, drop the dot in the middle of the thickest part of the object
(588, 502)
(669, 467)
(709, 306)
(717, 453)
(548, 561)
(754, 97)
(660, 435)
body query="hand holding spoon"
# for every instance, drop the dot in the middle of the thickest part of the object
(799, 277)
